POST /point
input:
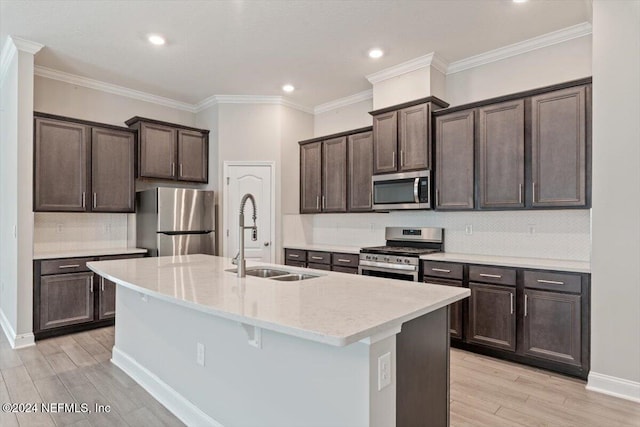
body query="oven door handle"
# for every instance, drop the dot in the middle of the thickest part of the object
(388, 266)
(412, 274)
(416, 195)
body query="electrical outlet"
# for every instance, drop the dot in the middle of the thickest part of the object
(468, 229)
(384, 371)
(58, 228)
(532, 228)
(200, 354)
(107, 228)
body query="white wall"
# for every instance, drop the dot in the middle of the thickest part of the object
(344, 118)
(406, 87)
(615, 322)
(558, 63)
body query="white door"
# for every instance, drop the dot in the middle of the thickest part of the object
(257, 180)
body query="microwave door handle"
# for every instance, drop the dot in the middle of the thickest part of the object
(416, 195)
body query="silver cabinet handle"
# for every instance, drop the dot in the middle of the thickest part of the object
(493, 276)
(294, 256)
(511, 301)
(344, 260)
(526, 301)
(323, 203)
(69, 266)
(173, 168)
(519, 193)
(95, 200)
(401, 158)
(318, 202)
(442, 270)
(316, 257)
(534, 192)
(91, 288)
(437, 197)
(550, 282)
(393, 158)
(102, 284)
(84, 198)
(181, 174)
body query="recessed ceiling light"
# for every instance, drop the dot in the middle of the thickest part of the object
(156, 39)
(375, 53)
(520, 1)
(288, 88)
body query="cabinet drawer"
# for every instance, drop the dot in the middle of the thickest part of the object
(345, 260)
(495, 275)
(561, 282)
(300, 264)
(349, 270)
(325, 267)
(66, 265)
(295, 255)
(319, 257)
(447, 270)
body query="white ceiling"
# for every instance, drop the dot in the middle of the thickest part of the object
(244, 47)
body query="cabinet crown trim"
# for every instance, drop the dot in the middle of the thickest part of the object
(337, 135)
(432, 99)
(136, 119)
(41, 115)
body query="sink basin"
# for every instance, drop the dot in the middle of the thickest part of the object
(261, 272)
(294, 277)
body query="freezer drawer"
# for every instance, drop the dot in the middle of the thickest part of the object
(185, 244)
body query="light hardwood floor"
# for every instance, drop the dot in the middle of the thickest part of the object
(484, 391)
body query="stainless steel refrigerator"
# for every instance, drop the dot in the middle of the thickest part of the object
(176, 221)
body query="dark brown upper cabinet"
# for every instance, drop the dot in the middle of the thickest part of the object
(501, 155)
(112, 170)
(82, 166)
(360, 171)
(61, 167)
(334, 175)
(533, 150)
(559, 148)
(171, 151)
(454, 161)
(402, 136)
(311, 177)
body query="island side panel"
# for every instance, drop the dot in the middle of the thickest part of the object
(422, 371)
(288, 382)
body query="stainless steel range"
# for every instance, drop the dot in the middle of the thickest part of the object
(400, 257)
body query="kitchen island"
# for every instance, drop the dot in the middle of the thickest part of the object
(334, 350)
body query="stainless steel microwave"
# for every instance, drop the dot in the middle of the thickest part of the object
(397, 191)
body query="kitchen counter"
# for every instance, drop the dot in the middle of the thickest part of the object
(335, 308)
(325, 248)
(535, 263)
(87, 253)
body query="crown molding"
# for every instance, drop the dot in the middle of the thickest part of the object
(343, 102)
(11, 46)
(430, 59)
(555, 37)
(249, 99)
(73, 79)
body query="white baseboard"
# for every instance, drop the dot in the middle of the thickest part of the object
(613, 386)
(182, 408)
(15, 340)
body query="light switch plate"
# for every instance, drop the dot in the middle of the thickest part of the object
(200, 354)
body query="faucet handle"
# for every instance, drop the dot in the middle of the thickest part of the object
(254, 233)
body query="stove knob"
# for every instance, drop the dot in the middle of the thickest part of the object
(398, 259)
(386, 258)
(406, 261)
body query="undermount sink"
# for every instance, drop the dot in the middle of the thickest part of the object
(274, 274)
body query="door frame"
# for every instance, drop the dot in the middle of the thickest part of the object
(225, 197)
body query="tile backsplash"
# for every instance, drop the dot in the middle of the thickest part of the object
(558, 234)
(72, 231)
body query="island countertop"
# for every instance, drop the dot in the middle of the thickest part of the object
(335, 308)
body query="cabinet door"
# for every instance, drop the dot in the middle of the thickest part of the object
(334, 175)
(66, 299)
(501, 155)
(492, 316)
(107, 299)
(112, 170)
(454, 161)
(385, 142)
(310, 177)
(558, 143)
(157, 151)
(192, 156)
(552, 327)
(455, 309)
(414, 141)
(360, 171)
(60, 170)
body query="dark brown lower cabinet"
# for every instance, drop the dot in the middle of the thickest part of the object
(66, 299)
(492, 316)
(107, 300)
(455, 309)
(320, 260)
(552, 326)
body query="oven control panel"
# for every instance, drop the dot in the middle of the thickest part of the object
(390, 259)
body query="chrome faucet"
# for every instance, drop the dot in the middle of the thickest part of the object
(239, 258)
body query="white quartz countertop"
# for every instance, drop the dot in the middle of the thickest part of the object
(336, 308)
(326, 248)
(536, 263)
(87, 252)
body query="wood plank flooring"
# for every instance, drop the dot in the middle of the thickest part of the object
(484, 391)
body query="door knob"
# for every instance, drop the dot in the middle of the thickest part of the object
(266, 243)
